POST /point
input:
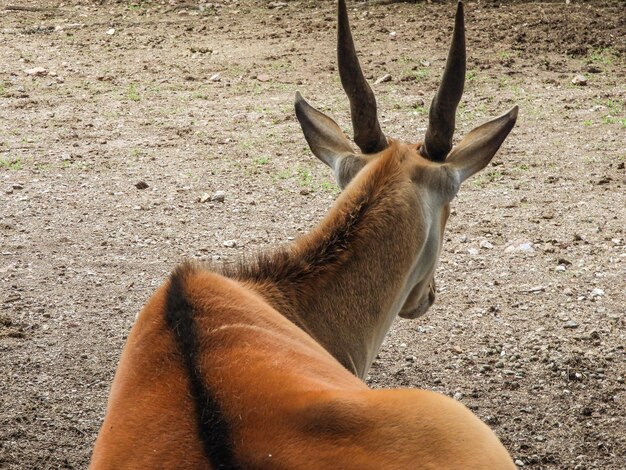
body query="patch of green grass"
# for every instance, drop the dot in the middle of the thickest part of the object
(614, 120)
(132, 93)
(198, 95)
(261, 160)
(483, 179)
(479, 181)
(522, 167)
(602, 55)
(329, 187)
(615, 106)
(257, 89)
(43, 166)
(302, 174)
(155, 89)
(247, 144)
(419, 108)
(283, 174)
(587, 122)
(304, 177)
(470, 76)
(419, 74)
(517, 91)
(10, 163)
(494, 175)
(136, 5)
(3, 89)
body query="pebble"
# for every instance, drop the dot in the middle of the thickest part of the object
(458, 396)
(560, 268)
(204, 198)
(216, 77)
(519, 463)
(111, 31)
(383, 79)
(472, 251)
(229, 243)
(520, 246)
(263, 77)
(36, 72)
(596, 293)
(486, 244)
(141, 185)
(570, 324)
(218, 196)
(579, 80)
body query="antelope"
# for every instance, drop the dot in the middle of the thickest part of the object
(260, 365)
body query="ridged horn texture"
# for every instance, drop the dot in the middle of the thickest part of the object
(441, 116)
(367, 132)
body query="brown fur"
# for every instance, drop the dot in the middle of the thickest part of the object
(287, 401)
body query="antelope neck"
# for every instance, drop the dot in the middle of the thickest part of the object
(352, 269)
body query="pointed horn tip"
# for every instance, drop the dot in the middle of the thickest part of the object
(513, 113)
(300, 101)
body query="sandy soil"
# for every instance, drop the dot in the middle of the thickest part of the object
(528, 329)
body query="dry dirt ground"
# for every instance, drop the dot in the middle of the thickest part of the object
(528, 329)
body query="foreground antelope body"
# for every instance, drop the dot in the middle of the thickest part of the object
(258, 366)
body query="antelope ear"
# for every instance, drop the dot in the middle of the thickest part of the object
(328, 142)
(477, 148)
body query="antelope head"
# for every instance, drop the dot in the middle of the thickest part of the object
(434, 166)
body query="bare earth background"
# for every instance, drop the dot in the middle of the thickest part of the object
(528, 329)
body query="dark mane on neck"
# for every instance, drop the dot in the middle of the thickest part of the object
(356, 215)
(307, 257)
